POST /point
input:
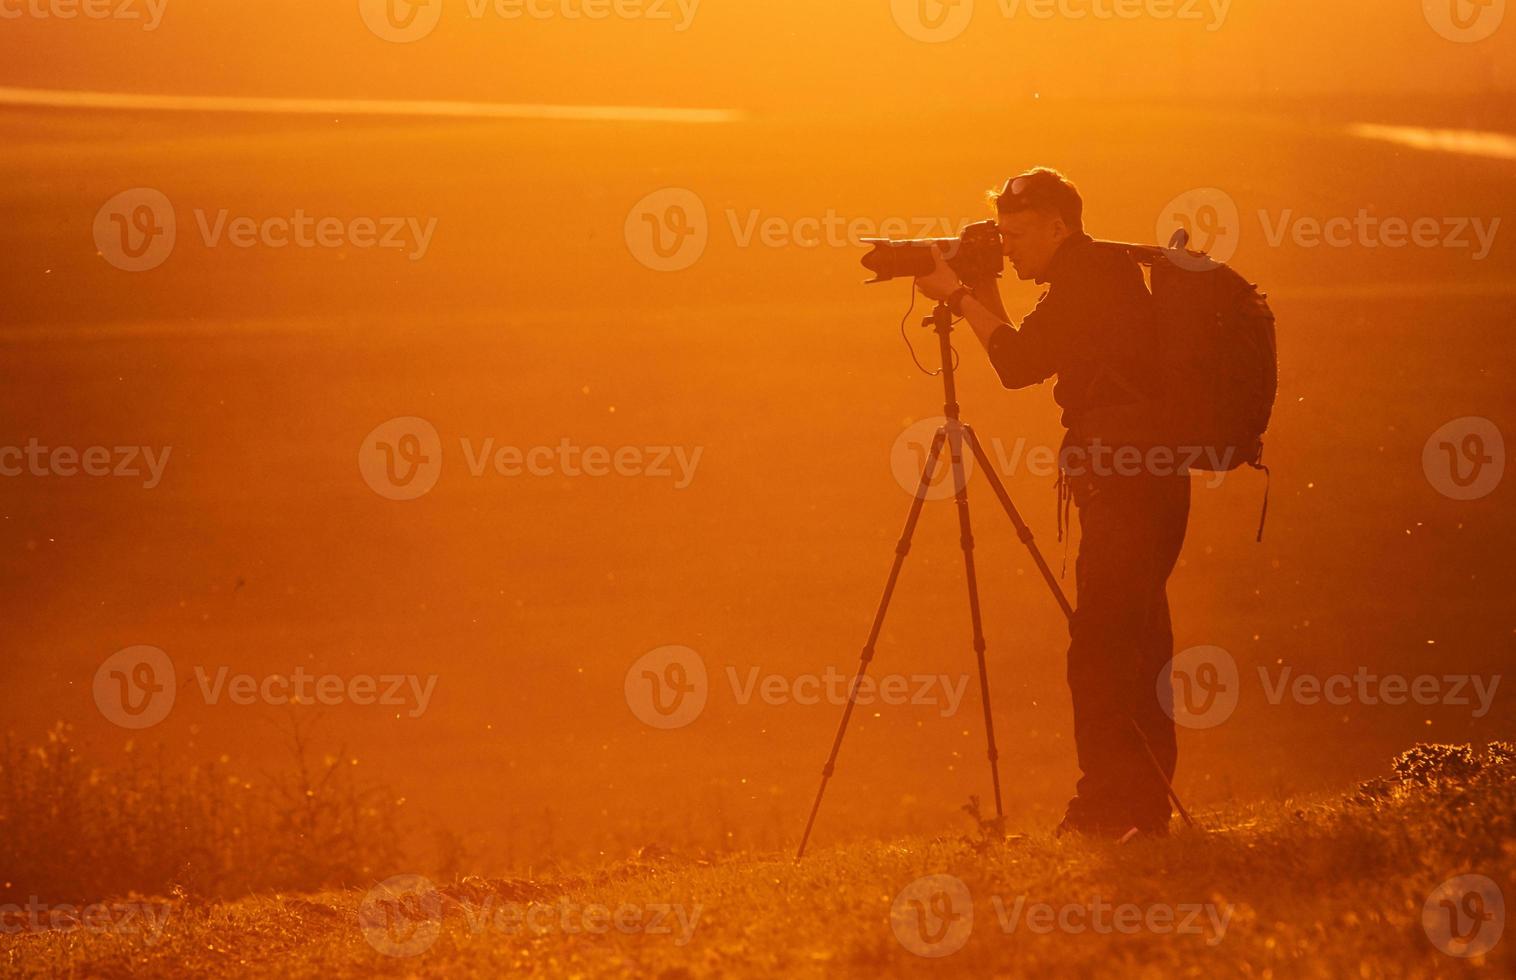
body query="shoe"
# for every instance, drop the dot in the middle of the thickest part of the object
(1102, 831)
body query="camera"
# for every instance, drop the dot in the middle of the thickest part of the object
(975, 255)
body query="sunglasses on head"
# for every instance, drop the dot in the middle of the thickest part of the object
(1018, 187)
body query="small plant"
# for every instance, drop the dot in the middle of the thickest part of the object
(991, 829)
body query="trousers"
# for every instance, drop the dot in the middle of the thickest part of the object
(1121, 642)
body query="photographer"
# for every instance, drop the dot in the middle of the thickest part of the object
(1094, 330)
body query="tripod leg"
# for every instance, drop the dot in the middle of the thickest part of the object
(1158, 768)
(1022, 531)
(960, 485)
(901, 550)
(1025, 534)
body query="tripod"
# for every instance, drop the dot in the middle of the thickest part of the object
(954, 434)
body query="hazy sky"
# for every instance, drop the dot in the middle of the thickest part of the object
(775, 53)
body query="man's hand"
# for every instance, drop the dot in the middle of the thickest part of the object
(941, 282)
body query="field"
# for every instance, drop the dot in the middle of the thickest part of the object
(776, 388)
(784, 380)
(1325, 887)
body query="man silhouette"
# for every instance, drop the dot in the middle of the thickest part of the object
(1094, 329)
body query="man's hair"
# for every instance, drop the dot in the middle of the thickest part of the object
(1042, 189)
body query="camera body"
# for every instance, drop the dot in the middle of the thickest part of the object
(975, 255)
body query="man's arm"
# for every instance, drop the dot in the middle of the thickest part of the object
(985, 312)
(1021, 357)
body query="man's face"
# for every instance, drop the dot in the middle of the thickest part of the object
(1029, 239)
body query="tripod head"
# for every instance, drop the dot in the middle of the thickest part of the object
(941, 322)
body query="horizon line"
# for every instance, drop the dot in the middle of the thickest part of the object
(413, 108)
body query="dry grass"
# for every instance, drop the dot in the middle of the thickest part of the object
(1325, 888)
(74, 833)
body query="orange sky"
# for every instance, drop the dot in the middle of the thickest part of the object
(789, 53)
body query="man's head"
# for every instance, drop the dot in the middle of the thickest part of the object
(1037, 211)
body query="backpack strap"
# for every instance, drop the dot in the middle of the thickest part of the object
(1268, 478)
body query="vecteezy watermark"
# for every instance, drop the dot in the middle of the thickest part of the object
(1205, 920)
(145, 463)
(137, 230)
(1464, 21)
(670, 229)
(147, 13)
(1211, 13)
(1366, 230)
(908, 456)
(1465, 916)
(831, 230)
(1201, 687)
(933, 21)
(934, 917)
(401, 459)
(136, 688)
(936, 21)
(405, 21)
(1465, 458)
(669, 688)
(1368, 688)
(1210, 218)
(146, 919)
(941, 691)
(403, 916)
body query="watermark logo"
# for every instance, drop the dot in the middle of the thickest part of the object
(667, 688)
(1464, 21)
(401, 916)
(1209, 216)
(1200, 687)
(401, 21)
(933, 916)
(401, 459)
(909, 454)
(135, 687)
(1465, 459)
(135, 231)
(668, 230)
(1464, 916)
(932, 21)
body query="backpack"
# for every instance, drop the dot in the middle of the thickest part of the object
(1218, 359)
